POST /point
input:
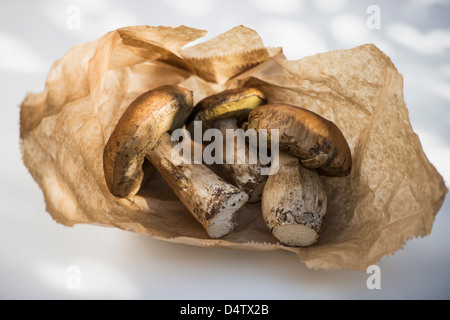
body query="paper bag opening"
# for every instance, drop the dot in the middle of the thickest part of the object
(392, 194)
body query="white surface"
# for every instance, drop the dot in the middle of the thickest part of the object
(35, 252)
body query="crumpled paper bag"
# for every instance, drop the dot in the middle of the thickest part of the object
(392, 194)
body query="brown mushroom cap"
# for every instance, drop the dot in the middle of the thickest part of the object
(316, 141)
(234, 103)
(138, 130)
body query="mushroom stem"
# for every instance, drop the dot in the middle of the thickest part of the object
(212, 201)
(294, 203)
(241, 173)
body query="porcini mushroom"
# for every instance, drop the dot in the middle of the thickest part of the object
(241, 173)
(223, 111)
(302, 133)
(294, 203)
(228, 104)
(142, 132)
(294, 200)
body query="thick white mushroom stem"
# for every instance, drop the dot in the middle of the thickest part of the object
(211, 200)
(294, 203)
(241, 173)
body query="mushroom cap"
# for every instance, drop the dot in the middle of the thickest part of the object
(137, 132)
(302, 133)
(234, 103)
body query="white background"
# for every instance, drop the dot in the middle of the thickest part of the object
(35, 251)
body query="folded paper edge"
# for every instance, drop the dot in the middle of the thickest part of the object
(242, 53)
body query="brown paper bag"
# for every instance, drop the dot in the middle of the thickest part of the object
(392, 194)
